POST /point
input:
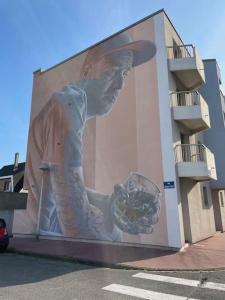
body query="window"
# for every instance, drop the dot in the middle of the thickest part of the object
(205, 196)
(2, 224)
(7, 186)
(221, 199)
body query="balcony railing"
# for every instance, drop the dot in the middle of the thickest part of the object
(186, 98)
(190, 153)
(190, 110)
(195, 161)
(181, 51)
(187, 65)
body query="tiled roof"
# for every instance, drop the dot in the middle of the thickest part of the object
(8, 170)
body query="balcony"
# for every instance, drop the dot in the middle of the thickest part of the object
(187, 65)
(191, 111)
(195, 161)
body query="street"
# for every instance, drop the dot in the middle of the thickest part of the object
(32, 278)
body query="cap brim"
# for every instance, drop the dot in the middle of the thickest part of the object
(143, 51)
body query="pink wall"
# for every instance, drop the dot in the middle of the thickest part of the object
(126, 140)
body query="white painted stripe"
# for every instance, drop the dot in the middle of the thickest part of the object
(141, 293)
(182, 281)
(214, 286)
(168, 279)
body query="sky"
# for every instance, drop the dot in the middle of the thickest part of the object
(41, 33)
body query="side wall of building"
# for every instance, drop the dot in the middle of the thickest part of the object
(190, 197)
(164, 33)
(198, 211)
(126, 140)
(219, 209)
(214, 136)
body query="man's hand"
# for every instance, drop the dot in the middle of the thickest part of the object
(102, 202)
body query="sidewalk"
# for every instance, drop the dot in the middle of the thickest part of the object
(205, 255)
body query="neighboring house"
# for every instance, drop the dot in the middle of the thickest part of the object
(12, 196)
(11, 176)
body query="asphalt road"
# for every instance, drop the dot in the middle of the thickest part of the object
(32, 278)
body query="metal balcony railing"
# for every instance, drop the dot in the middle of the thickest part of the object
(181, 51)
(185, 98)
(195, 161)
(191, 153)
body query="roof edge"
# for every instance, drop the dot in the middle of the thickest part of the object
(209, 59)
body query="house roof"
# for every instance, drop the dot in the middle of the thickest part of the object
(8, 170)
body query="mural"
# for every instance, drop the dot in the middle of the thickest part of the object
(60, 201)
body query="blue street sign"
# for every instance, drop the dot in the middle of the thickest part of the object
(169, 185)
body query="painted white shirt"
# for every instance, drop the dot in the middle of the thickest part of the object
(56, 150)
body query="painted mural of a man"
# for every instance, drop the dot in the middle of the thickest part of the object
(67, 206)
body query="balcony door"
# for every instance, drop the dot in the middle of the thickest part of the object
(186, 154)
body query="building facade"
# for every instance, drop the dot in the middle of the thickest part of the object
(146, 172)
(214, 137)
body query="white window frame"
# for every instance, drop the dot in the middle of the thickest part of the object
(11, 181)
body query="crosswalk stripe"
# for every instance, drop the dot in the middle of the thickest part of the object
(141, 293)
(182, 281)
(168, 279)
(214, 286)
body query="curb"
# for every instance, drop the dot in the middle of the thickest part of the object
(105, 264)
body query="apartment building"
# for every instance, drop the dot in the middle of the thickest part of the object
(150, 142)
(214, 138)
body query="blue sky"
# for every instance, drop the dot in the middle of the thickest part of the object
(39, 34)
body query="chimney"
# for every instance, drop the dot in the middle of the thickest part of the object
(16, 161)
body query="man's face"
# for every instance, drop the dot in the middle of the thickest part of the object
(107, 78)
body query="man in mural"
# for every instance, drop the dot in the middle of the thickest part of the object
(61, 202)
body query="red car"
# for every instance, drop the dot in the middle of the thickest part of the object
(4, 237)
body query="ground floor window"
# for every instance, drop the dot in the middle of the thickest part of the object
(7, 186)
(205, 196)
(221, 199)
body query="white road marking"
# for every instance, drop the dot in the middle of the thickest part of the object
(168, 279)
(182, 281)
(141, 293)
(214, 286)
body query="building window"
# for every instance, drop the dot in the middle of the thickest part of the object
(221, 199)
(7, 186)
(205, 196)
